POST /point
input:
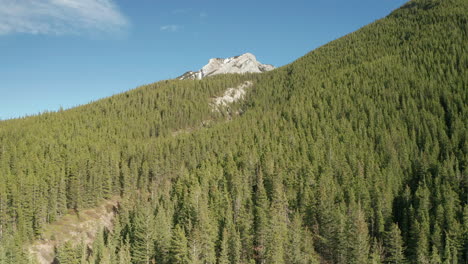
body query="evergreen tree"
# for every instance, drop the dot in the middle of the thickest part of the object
(260, 220)
(99, 248)
(3, 257)
(223, 257)
(124, 256)
(143, 238)
(179, 247)
(68, 254)
(358, 237)
(300, 248)
(162, 235)
(394, 250)
(235, 245)
(277, 227)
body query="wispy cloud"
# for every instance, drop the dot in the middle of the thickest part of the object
(60, 16)
(170, 28)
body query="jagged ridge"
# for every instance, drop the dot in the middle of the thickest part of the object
(239, 64)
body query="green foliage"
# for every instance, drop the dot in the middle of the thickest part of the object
(143, 235)
(69, 254)
(394, 245)
(124, 256)
(316, 165)
(357, 237)
(300, 248)
(179, 249)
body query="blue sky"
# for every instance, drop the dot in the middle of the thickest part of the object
(63, 53)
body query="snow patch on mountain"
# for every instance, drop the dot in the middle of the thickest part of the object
(245, 63)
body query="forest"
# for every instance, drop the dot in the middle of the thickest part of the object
(356, 152)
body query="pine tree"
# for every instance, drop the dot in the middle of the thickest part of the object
(124, 256)
(235, 245)
(358, 237)
(99, 247)
(143, 238)
(277, 227)
(3, 206)
(421, 225)
(74, 191)
(178, 252)
(162, 235)
(260, 220)
(394, 250)
(465, 230)
(224, 248)
(3, 257)
(300, 248)
(376, 254)
(435, 257)
(68, 254)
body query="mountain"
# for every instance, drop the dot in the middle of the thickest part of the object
(356, 152)
(245, 63)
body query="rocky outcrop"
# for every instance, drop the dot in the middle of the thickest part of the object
(231, 95)
(245, 63)
(75, 228)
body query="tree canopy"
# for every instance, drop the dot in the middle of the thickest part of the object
(355, 153)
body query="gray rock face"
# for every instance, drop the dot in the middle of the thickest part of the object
(240, 64)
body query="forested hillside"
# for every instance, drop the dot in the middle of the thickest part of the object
(355, 153)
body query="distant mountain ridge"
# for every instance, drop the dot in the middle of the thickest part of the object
(245, 63)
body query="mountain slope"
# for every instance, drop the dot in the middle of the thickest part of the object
(354, 153)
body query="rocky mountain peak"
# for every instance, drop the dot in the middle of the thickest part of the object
(239, 64)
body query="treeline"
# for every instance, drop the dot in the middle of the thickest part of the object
(355, 153)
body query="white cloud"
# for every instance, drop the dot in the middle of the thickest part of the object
(60, 16)
(170, 28)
